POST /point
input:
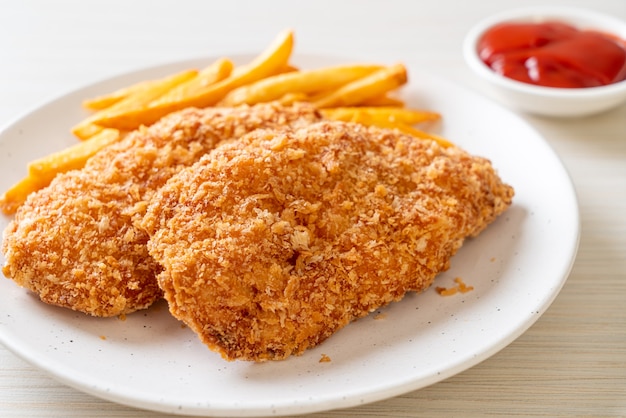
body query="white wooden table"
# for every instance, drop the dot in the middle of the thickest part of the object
(572, 362)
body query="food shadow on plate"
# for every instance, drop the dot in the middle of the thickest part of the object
(150, 326)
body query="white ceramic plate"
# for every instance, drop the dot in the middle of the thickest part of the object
(517, 267)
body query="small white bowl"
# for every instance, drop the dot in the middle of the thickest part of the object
(548, 101)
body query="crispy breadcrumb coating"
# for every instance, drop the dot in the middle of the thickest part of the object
(75, 243)
(272, 243)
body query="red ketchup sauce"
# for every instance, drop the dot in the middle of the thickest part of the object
(553, 54)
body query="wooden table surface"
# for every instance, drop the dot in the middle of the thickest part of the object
(571, 362)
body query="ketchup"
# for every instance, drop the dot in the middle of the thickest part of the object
(553, 54)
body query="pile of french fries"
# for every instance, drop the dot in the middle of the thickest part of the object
(361, 93)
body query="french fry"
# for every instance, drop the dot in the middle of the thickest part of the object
(108, 100)
(370, 119)
(17, 194)
(382, 101)
(272, 61)
(291, 98)
(126, 118)
(138, 100)
(383, 114)
(123, 101)
(132, 117)
(213, 73)
(308, 82)
(418, 133)
(72, 158)
(373, 85)
(288, 69)
(86, 129)
(41, 172)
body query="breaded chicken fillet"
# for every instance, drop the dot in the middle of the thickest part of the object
(272, 243)
(75, 244)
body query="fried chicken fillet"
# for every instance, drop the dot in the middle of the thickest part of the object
(75, 243)
(272, 243)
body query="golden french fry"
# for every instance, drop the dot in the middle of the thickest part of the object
(273, 60)
(382, 101)
(291, 98)
(418, 133)
(373, 85)
(17, 194)
(140, 99)
(42, 171)
(369, 119)
(108, 100)
(131, 118)
(218, 71)
(288, 69)
(383, 114)
(308, 82)
(72, 158)
(86, 129)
